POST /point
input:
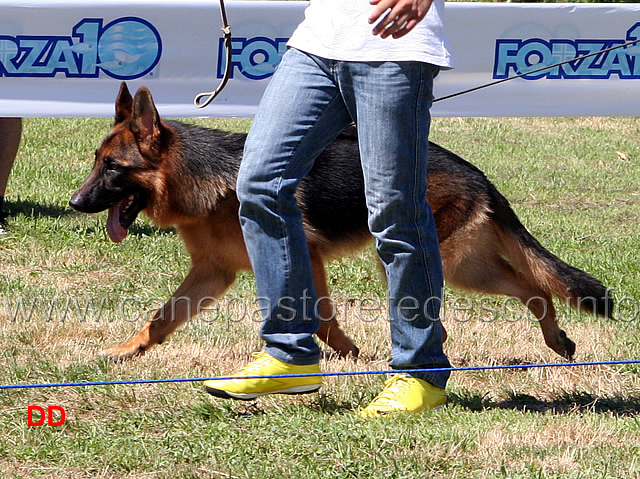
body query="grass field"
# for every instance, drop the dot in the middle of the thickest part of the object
(67, 292)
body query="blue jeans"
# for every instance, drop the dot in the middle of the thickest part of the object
(308, 102)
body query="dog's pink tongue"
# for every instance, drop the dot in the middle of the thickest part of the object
(116, 232)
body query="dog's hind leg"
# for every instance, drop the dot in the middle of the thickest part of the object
(484, 271)
(329, 331)
(202, 285)
(541, 305)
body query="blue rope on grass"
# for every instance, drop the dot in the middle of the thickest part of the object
(347, 373)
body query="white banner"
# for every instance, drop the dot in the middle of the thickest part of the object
(67, 58)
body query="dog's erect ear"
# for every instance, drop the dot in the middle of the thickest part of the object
(145, 122)
(124, 104)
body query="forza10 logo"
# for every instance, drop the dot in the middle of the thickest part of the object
(520, 56)
(255, 58)
(126, 48)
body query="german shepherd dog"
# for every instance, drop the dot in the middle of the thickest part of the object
(184, 176)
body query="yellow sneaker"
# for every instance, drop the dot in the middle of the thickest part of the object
(265, 365)
(404, 393)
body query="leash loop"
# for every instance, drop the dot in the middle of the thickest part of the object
(205, 98)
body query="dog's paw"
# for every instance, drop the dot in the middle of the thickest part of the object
(566, 347)
(351, 352)
(570, 348)
(355, 352)
(123, 353)
(343, 354)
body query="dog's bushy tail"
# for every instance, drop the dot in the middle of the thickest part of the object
(544, 269)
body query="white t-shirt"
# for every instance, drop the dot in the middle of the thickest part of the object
(339, 30)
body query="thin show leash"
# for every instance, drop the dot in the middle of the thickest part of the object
(205, 98)
(538, 70)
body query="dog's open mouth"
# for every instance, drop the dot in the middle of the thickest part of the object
(122, 215)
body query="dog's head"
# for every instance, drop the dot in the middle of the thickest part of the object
(122, 175)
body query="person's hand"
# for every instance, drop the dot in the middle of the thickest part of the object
(401, 16)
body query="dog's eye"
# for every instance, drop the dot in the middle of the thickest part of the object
(111, 165)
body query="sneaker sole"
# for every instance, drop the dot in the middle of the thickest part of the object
(220, 393)
(403, 411)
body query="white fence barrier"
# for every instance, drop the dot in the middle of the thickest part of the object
(66, 58)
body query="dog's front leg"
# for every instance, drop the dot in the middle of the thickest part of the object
(329, 331)
(201, 283)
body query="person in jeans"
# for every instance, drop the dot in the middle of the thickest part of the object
(371, 62)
